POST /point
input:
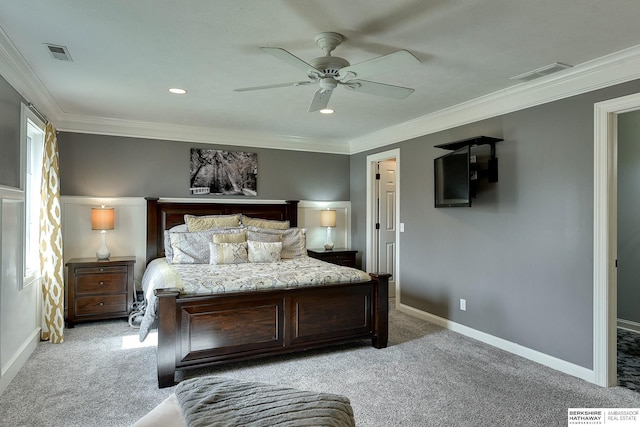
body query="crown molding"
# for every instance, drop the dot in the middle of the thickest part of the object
(194, 134)
(619, 67)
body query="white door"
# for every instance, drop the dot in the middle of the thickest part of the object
(386, 222)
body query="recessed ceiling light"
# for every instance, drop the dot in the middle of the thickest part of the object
(326, 111)
(177, 91)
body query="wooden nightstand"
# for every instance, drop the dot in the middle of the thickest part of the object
(339, 256)
(99, 289)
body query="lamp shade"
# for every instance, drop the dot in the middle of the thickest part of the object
(328, 218)
(102, 218)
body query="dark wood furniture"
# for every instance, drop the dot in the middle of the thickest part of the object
(99, 289)
(340, 256)
(201, 330)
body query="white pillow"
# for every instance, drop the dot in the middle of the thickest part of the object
(182, 228)
(264, 251)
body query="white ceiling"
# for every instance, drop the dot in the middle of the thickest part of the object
(126, 54)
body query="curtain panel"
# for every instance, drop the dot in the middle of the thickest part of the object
(51, 262)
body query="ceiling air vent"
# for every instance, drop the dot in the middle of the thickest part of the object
(541, 72)
(59, 52)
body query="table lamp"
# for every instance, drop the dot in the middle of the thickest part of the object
(102, 219)
(328, 219)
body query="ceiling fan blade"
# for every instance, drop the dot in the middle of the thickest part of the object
(247, 89)
(291, 59)
(380, 89)
(379, 65)
(320, 100)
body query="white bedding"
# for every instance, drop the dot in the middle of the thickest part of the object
(227, 278)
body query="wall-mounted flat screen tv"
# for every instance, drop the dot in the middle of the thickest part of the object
(453, 179)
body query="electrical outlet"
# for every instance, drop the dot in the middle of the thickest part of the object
(463, 304)
(402, 227)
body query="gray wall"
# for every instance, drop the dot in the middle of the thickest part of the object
(522, 256)
(111, 166)
(629, 216)
(9, 135)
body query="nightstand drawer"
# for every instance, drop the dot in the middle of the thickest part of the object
(338, 256)
(341, 259)
(100, 270)
(101, 283)
(101, 304)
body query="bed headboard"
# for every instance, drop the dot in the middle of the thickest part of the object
(162, 215)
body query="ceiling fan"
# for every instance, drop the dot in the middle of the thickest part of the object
(332, 71)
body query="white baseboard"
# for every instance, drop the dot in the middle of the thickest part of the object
(522, 351)
(18, 360)
(628, 324)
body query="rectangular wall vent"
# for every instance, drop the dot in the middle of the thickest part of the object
(541, 72)
(59, 52)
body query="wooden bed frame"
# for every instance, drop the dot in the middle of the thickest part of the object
(202, 330)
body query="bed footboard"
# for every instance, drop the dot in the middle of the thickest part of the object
(195, 331)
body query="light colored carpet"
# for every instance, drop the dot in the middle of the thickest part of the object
(428, 376)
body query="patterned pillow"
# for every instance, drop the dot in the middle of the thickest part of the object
(264, 251)
(263, 237)
(294, 242)
(230, 237)
(228, 253)
(264, 223)
(206, 222)
(190, 248)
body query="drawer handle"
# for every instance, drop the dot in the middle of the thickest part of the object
(101, 269)
(101, 282)
(101, 303)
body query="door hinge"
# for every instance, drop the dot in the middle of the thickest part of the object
(378, 176)
(377, 226)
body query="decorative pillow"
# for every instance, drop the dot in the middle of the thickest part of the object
(190, 248)
(230, 237)
(263, 237)
(206, 222)
(264, 251)
(228, 253)
(264, 223)
(294, 242)
(182, 228)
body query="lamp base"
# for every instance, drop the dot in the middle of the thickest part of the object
(103, 252)
(328, 245)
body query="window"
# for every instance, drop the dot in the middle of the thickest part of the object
(33, 146)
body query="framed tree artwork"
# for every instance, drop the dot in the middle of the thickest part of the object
(220, 172)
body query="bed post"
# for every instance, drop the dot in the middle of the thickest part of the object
(152, 228)
(167, 324)
(381, 310)
(292, 212)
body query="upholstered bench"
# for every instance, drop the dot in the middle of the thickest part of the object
(215, 401)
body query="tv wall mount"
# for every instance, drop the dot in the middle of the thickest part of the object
(492, 172)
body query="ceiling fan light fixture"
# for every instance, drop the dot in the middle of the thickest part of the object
(327, 111)
(177, 91)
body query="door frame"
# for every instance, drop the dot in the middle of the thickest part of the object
(372, 160)
(605, 239)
